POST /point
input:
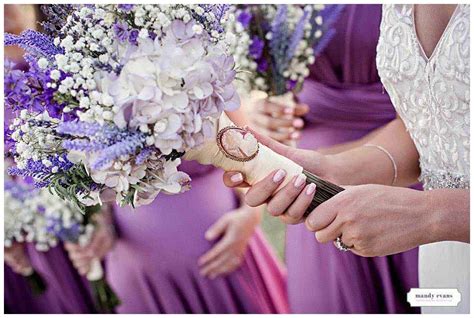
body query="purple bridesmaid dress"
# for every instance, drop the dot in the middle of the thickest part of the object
(153, 266)
(346, 102)
(66, 292)
(19, 299)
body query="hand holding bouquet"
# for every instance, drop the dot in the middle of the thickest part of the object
(18, 219)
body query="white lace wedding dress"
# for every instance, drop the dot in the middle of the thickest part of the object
(431, 96)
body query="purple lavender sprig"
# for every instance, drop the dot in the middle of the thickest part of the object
(108, 141)
(55, 17)
(298, 34)
(39, 171)
(35, 43)
(279, 47)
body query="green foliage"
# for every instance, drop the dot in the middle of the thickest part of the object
(68, 184)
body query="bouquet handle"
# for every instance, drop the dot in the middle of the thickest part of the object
(235, 149)
(105, 298)
(35, 281)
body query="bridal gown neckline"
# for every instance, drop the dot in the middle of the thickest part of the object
(420, 45)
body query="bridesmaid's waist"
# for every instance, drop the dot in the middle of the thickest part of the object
(348, 106)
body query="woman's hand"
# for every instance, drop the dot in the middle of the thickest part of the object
(378, 220)
(280, 122)
(290, 202)
(234, 230)
(17, 259)
(101, 243)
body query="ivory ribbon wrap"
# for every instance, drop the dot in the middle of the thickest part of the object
(254, 170)
(96, 271)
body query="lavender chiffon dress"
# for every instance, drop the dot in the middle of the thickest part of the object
(153, 266)
(67, 292)
(346, 102)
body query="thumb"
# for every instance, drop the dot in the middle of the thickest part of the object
(272, 144)
(217, 228)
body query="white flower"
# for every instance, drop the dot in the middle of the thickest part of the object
(55, 75)
(42, 63)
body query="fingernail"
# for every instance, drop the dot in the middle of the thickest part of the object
(237, 178)
(288, 111)
(295, 135)
(279, 175)
(310, 189)
(299, 180)
(298, 122)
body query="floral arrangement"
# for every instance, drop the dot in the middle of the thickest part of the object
(277, 43)
(60, 221)
(115, 94)
(37, 216)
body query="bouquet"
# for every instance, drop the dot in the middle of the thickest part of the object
(58, 220)
(18, 220)
(277, 44)
(115, 95)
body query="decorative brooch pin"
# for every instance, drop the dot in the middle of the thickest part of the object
(237, 144)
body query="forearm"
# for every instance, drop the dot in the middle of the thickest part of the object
(449, 213)
(349, 145)
(363, 165)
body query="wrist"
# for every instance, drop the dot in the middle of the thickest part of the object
(253, 213)
(336, 169)
(448, 212)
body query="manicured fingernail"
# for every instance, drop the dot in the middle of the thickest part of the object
(295, 135)
(298, 122)
(310, 189)
(237, 178)
(288, 111)
(279, 175)
(299, 180)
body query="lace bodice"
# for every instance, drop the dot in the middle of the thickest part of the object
(431, 95)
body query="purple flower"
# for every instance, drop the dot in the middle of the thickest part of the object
(298, 34)
(152, 35)
(108, 141)
(256, 47)
(39, 171)
(219, 10)
(244, 18)
(35, 43)
(262, 65)
(144, 154)
(121, 31)
(133, 36)
(290, 84)
(55, 16)
(125, 7)
(28, 89)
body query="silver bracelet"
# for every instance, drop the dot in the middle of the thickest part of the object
(394, 164)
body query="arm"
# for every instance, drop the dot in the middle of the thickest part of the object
(362, 165)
